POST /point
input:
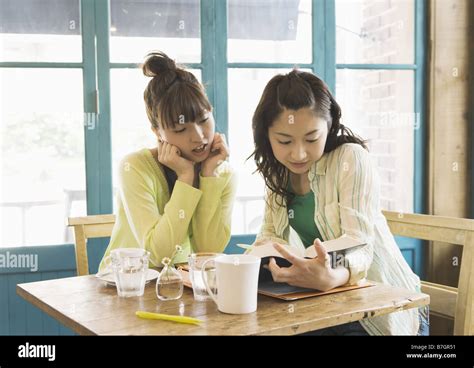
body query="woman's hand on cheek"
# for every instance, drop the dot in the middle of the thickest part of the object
(219, 152)
(170, 156)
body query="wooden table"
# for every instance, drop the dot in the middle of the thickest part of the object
(89, 307)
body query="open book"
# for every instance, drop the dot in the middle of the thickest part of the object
(267, 286)
(268, 250)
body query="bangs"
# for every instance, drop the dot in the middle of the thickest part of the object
(183, 103)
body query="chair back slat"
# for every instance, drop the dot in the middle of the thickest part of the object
(87, 227)
(445, 301)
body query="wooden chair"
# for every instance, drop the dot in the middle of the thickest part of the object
(446, 301)
(86, 227)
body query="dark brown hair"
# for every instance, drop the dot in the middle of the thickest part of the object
(173, 95)
(294, 91)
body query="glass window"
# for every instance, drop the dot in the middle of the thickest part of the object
(42, 162)
(140, 26)
(46, 30)
(130, 125)
(375, 31)
(273, 31)
(379, 106)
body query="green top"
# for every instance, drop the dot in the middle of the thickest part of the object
(301, 218)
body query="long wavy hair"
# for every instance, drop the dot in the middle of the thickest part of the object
(294, 91)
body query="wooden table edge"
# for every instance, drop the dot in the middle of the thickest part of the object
(54, 313)
(347, 318)
(421, 300)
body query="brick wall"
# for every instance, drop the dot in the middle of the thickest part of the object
(388, 116)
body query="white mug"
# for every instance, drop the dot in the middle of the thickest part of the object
(237, 283)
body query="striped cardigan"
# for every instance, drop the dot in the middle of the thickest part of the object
(346, 194)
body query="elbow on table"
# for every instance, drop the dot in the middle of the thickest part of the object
(158, 251)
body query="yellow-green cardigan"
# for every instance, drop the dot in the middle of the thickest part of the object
(149, 217)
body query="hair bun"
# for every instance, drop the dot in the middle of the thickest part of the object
(158, 63)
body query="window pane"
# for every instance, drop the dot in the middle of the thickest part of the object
(34, 30)
(131, 129)
(375, 31)
(172, 26)
(42, 143)
(269, 31)
(249, 206)
(378, 105)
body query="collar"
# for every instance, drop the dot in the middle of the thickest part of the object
(319, 167)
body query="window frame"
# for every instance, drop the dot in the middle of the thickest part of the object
(214, 66)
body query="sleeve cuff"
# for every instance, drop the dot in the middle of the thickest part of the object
(183, 188)
(356, 268)
(184, 199)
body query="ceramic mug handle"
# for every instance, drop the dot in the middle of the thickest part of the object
(204, 279)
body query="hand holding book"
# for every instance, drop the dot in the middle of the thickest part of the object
(291, 269)
(313, 273)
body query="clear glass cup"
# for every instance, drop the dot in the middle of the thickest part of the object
(195, 262)
(130, 266)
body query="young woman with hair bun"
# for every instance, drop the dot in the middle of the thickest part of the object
(182, 190)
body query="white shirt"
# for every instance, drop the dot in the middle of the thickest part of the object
(346, 196)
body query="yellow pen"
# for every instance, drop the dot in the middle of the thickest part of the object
(168, 317)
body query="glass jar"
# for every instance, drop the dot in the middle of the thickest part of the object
(169, 285)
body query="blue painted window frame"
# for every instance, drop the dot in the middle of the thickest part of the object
(58, 260)
(97, 137)
(324, 65)
(96, 65)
